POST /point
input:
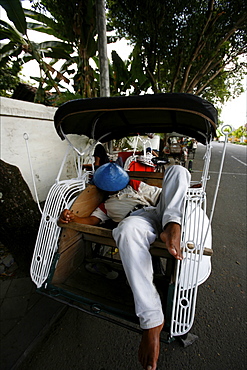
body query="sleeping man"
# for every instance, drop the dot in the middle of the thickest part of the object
(143, 213)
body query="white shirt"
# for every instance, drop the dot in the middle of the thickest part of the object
(119, 205)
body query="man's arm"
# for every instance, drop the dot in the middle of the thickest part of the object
(68, 216)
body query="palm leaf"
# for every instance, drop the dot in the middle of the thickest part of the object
(137, 67)
(10, 49)
(9, 32)
(47, 22)
(59, 75)
(56, 45)
(40, 17)
(15, 14)
(45, 29)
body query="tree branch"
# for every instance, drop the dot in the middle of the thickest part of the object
(175, 79)
(209, 61)
(200, 45)
(211, 78)
(153, 81)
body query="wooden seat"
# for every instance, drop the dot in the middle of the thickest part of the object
(74, 235)
(91, 197)
(103, 236)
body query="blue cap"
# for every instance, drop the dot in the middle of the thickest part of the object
(110, 177)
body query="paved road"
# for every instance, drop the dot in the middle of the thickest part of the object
(79, 341)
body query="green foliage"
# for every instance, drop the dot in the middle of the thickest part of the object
(120, 76)
(9, 77)
(15, 14)
(59, 99)
(75, 22)
(128, 77)
(124, 143)
(19, 44)
(240, 132)
(9, 69)
(192, 46)
(74, 25)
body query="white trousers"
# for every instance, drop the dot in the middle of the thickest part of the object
(134, 235)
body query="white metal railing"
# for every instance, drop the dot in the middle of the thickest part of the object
(195, 268)
(61, 196)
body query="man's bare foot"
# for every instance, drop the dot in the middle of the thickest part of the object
(171, 237)
(150, 347)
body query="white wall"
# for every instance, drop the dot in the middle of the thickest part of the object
(46, 148)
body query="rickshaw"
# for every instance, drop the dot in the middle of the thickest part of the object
(63, 253)
(176, 148)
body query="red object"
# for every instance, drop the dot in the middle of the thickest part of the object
(125, 155)
(136, 166)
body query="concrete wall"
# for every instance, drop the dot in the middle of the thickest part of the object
(46, 148)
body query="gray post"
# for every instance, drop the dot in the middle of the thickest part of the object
(102, 46)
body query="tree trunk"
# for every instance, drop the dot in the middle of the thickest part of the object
(102, 46)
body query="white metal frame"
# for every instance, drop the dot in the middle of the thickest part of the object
(61, 196)
(195, 268)
(134, 157)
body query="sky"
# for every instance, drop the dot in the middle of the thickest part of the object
(234, 112)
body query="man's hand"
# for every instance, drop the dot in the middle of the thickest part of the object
(67, 216)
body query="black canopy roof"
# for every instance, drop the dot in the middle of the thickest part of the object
(110, 118)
